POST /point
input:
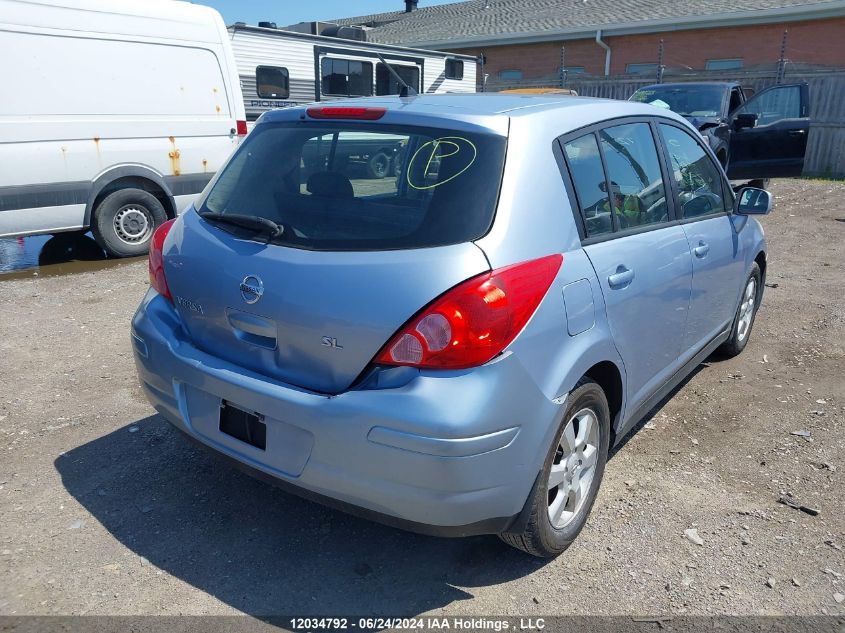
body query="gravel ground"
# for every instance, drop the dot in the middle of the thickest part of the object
(107, 510)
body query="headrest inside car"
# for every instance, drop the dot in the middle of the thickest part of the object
(331, 184)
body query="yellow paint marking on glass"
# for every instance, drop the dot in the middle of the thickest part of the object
(435, 145)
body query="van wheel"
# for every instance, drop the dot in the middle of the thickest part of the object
(125, 221)
(745, 313)
(571, 475)
(378, 166)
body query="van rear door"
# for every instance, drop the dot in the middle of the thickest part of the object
(769, 134)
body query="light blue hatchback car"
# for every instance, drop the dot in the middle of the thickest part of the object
(441, 311)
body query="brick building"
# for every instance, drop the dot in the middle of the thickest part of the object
(522, 40)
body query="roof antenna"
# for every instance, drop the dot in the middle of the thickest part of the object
(406, 90)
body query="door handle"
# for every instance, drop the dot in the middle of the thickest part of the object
(621, 278)
(796, 132)
(701, 250)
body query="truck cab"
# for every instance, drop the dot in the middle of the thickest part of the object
(754, 137)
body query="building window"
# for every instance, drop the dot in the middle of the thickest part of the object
(346, 78)
(386, 83)
(723, 64)
(641, 69)
(454, 69)
(272, 82)
(510, 75)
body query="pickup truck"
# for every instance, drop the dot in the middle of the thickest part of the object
(754, 137)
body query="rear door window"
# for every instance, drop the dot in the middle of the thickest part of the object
(698, 182)
(354, 186)
(636, 181)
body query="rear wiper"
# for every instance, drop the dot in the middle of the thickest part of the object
(250, 222)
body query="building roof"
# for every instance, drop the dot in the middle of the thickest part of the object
(492, 22)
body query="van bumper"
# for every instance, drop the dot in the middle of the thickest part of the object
(445, 453)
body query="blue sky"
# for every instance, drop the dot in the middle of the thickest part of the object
(289, 11)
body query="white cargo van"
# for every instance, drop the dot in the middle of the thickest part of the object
(113, 115)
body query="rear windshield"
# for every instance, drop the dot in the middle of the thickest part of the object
(353, 186)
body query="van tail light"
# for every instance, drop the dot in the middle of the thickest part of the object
(473, 322)
(156, 261)
(240, 127)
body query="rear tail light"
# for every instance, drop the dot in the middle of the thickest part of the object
(474, 321)
(346, 112)
(156, 261)
(240, 127)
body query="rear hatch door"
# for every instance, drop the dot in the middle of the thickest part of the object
(308, 318)
(357, 253)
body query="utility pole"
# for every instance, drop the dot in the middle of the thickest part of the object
(660, 66)
(563, 66)
(782, 60)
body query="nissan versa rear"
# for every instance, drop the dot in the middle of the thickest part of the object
(453, 347)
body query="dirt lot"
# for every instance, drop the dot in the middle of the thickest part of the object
(107, 510)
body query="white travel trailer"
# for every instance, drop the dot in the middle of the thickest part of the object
(113, 116)
(280, 68)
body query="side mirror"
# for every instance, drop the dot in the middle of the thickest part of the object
(753, 201)
(745, 120)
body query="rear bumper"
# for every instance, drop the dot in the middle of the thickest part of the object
(446, 454)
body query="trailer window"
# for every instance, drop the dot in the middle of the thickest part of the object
(386, 83)
(454, 69)
(272, 82)
(346, 78)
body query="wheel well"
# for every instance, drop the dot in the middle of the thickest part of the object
(761, 262)
(136, 182)
(607, 375)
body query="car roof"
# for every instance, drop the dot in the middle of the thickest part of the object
(483, 105)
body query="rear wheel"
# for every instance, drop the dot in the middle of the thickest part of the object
(125, 220)
(745, 313)
(759, 183)
(571, 475)
(378, 166)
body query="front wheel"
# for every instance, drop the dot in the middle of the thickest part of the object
(125, 220)
(571, 475)
(745, 313)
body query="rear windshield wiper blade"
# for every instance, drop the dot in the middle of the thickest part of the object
(250, 222)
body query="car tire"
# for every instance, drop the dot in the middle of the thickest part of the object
(749, 301)
(378, 166)
(125, 220)
(542, 535)
(759, 183)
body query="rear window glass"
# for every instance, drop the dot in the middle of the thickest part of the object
(353, 186)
